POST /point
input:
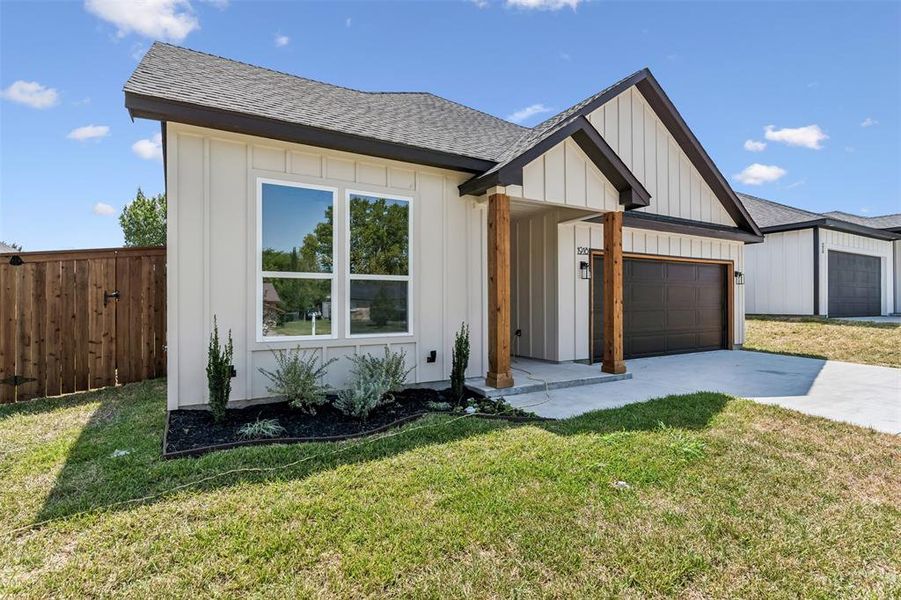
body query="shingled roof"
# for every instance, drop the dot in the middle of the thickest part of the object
(891, 222)
(410, 118)
(773, 217)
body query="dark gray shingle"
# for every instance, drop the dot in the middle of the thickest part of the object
(767, 213)
(415, 119)
(877, 222)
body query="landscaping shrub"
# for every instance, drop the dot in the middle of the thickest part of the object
(373, 382)
(459, 360)
(265, 428)
(298, 378)
(219, 372)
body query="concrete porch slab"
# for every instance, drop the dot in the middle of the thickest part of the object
(531, 375)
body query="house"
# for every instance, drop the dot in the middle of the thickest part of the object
(602, 234)
(831, 264)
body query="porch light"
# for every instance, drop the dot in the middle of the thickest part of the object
(584, 270)
(739, 278)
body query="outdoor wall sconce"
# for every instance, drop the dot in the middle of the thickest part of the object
(739, 278)
(584, 270)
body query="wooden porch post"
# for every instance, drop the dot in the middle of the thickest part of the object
(499, 375)
(613, 294)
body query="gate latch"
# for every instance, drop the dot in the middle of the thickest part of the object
(114, 295)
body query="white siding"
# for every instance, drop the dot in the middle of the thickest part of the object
(856, 244)
(641, 140)
(897, 275)
(533, 254)
(212, 256)
(565, 175)
(573, 292)
(779, 274)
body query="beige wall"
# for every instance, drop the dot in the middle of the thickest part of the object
(779, 274)
(212, 256)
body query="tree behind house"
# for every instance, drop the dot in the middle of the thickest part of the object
(143, 220)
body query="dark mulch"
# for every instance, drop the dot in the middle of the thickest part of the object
(195, 430)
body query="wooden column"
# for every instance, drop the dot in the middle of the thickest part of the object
(613, 294)
(499, 375)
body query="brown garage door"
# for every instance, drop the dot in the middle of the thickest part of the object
(855, 285)
(669, 307)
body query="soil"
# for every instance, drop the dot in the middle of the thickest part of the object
(194, 431)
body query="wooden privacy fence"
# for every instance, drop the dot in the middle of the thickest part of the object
(81, 319)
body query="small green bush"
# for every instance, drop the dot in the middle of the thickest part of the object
(459, 360)
(298, 378)
(219, 372)
(373, 382)
(265, 428)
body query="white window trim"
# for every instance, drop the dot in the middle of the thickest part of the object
(348, 277)
(260, 273)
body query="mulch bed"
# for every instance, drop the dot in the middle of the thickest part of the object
(193, 432)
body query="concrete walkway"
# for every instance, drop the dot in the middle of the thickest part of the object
(859, 394)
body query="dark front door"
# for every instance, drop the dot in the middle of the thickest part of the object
(669, 307)
(855, 285)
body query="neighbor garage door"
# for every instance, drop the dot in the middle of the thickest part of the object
(855, 285)
(669, 307)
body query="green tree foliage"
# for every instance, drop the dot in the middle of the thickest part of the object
(143, 220)
(12, 245)
(379, 236)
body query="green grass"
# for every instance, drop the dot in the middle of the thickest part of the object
(726, 498)
(303, 327)
(816, 337)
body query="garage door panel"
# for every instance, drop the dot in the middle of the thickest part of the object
(668, 307)
(855, 284)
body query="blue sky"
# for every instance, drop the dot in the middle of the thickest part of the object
(70, 158)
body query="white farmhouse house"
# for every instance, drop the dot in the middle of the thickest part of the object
(604, 233)
(830, 264)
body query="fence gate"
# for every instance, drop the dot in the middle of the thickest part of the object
(77, 320)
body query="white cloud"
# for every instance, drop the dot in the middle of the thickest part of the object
(758, 174)
(88, 132)
(103, 209)
(31, 93)
(282, 40)
(795, 184)
(528, 112)
(808, 137)
(869, 122)
(348, 22)
(480, 3)
(220, 4)
(755, 146)
(169, 20)
(149, 149)
(544, 4)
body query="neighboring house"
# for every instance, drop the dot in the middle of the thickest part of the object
(830, 264)
(604, 233)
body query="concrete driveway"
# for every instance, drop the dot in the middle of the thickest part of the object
(859, 394)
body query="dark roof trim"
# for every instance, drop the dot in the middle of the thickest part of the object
(147, 107)
(642, 220)
(836, 225)
(632, 193)
(666, 110)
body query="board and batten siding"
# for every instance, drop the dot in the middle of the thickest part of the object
(857, 244)
(550, 301)
(564, 175)
(897, 274)
(212, 181)
(642, 141)
(779, 274)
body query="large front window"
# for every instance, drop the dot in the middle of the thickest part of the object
(296, 260)
(379, 265)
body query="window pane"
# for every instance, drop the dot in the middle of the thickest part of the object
(297, 229)
(379, 229)
(378, 307)
(297, 307)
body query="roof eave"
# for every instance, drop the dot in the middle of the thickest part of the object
(160, 109)
(642, 220)
(836, 225)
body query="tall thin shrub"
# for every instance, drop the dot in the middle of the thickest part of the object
(459, 360)
(219, 372)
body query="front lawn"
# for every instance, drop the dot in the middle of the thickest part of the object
(719, 498)
(850, 341)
